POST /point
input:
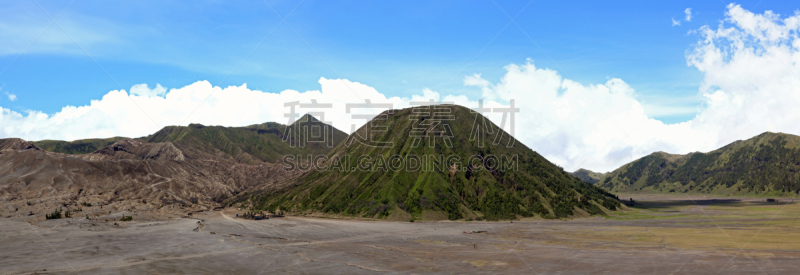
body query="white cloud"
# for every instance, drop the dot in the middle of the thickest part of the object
(676, 22)
(595, 126)
(571, 124)
(688, 12)
(751, 72)
(663, 110)
(144, 110)
(144, 90)
(750, 62)
(751, 67)
(11, 96)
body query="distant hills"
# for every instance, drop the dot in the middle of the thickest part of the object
(251, 144)
(404, 164)
(196, 166)
(455, 178)
(248, 145)
(462, 173)
(77, 147)
(767, 164)
(588, 176)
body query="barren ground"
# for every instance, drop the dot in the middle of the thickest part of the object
(661, 235)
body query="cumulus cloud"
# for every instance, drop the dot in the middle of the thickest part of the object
(596, 126)
(11, 96)
(750, 62)
(751, 67)
(144, 90)
(676, 22)
(688, 13)
(572, 124)
(144, 110)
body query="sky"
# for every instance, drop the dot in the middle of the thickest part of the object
(598, 84)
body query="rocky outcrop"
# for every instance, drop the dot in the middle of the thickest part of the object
(17, 144)
(134, 149)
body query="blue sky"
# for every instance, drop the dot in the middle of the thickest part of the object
(598, 84)
(397, 47)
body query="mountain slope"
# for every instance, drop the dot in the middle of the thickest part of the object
(588, 176)
(248, 145)
(766, 164)
(529, 186)
(127, 171)
(77, 147)
(195, 167)
(17, 144)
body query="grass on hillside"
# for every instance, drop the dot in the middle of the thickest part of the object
(767, 165)
(266, 142)
(534, 187)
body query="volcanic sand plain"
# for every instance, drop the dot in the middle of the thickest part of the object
(659, 234)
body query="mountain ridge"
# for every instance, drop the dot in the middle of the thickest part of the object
(588, 176)
(766, 164)
(17, 144)
(191, 172)
(76, 147)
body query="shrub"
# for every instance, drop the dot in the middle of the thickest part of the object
(126, 218)
(55, 215)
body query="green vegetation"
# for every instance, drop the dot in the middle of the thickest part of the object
(768, 164)
(77, 147)
(56, 215)
(525, 183)
(126, 218)
(588, 176)
(251, 144)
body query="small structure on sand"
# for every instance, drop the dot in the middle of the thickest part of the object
(250, 215)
